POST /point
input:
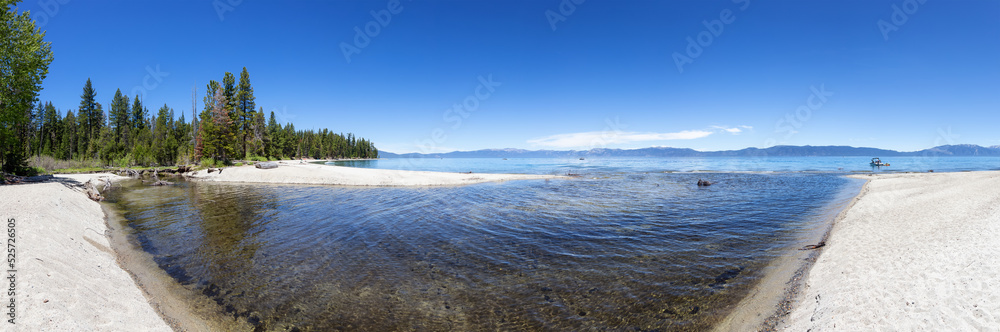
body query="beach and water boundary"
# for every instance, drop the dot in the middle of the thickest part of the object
(956, 180)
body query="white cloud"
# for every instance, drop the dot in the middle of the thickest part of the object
(603, 138)
(733, 130)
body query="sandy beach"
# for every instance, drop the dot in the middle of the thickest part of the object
(915, 252)
(295, 172)
(68, 278)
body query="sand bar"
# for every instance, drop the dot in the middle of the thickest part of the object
(67, 275)
(295, 172)
(915, 252)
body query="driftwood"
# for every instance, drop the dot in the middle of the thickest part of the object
(129, 173)
(814, 246)
(266, 165)
(91, 190)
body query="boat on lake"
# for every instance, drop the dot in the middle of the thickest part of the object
(878, 162)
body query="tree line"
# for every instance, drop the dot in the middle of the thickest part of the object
(229, 127)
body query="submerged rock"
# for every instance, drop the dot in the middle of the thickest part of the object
(720, 281)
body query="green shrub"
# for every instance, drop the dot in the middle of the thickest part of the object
(124, 162)
(209, 163)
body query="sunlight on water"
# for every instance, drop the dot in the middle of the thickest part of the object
(628, 250)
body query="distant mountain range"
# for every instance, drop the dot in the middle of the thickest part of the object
(774, 151)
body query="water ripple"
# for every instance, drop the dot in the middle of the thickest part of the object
(625, 251)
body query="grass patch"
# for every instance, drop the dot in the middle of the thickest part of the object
(49, 163)
(79, 170)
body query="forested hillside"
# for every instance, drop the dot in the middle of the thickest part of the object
(229, 127)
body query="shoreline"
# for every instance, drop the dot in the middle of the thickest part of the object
(928, 280)
(68, 273)
(296, 172)
(913, 251)
(179, 306)
(767, 302)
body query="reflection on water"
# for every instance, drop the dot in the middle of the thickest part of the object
(610, 251)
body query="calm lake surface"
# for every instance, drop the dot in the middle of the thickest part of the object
(629, 245)
(681, 164)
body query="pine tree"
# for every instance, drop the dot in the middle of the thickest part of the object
(88, 112)
(90, 148)
(273, 132)
(258, 137)
(245, 108)
(225, 134)
(164, 142)
(217, 126)
(69, 138)
(139, 113)
(205, 139)
(51, 134)
(229, 93)
(120, 120)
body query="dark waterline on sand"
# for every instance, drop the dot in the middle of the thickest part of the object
(608, 251)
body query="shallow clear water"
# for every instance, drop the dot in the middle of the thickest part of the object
(682, 164)
(616, 249)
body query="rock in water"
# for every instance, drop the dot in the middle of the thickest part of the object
(266, 165)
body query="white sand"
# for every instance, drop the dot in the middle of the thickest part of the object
(305, 173)
(67, 275)
(917, 252)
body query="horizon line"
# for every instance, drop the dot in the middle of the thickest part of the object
(681, 148)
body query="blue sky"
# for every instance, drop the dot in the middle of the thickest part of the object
(707, 75)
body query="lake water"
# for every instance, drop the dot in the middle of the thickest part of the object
(630, 245)
(681, 164)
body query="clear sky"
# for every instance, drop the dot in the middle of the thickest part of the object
(548, 74)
